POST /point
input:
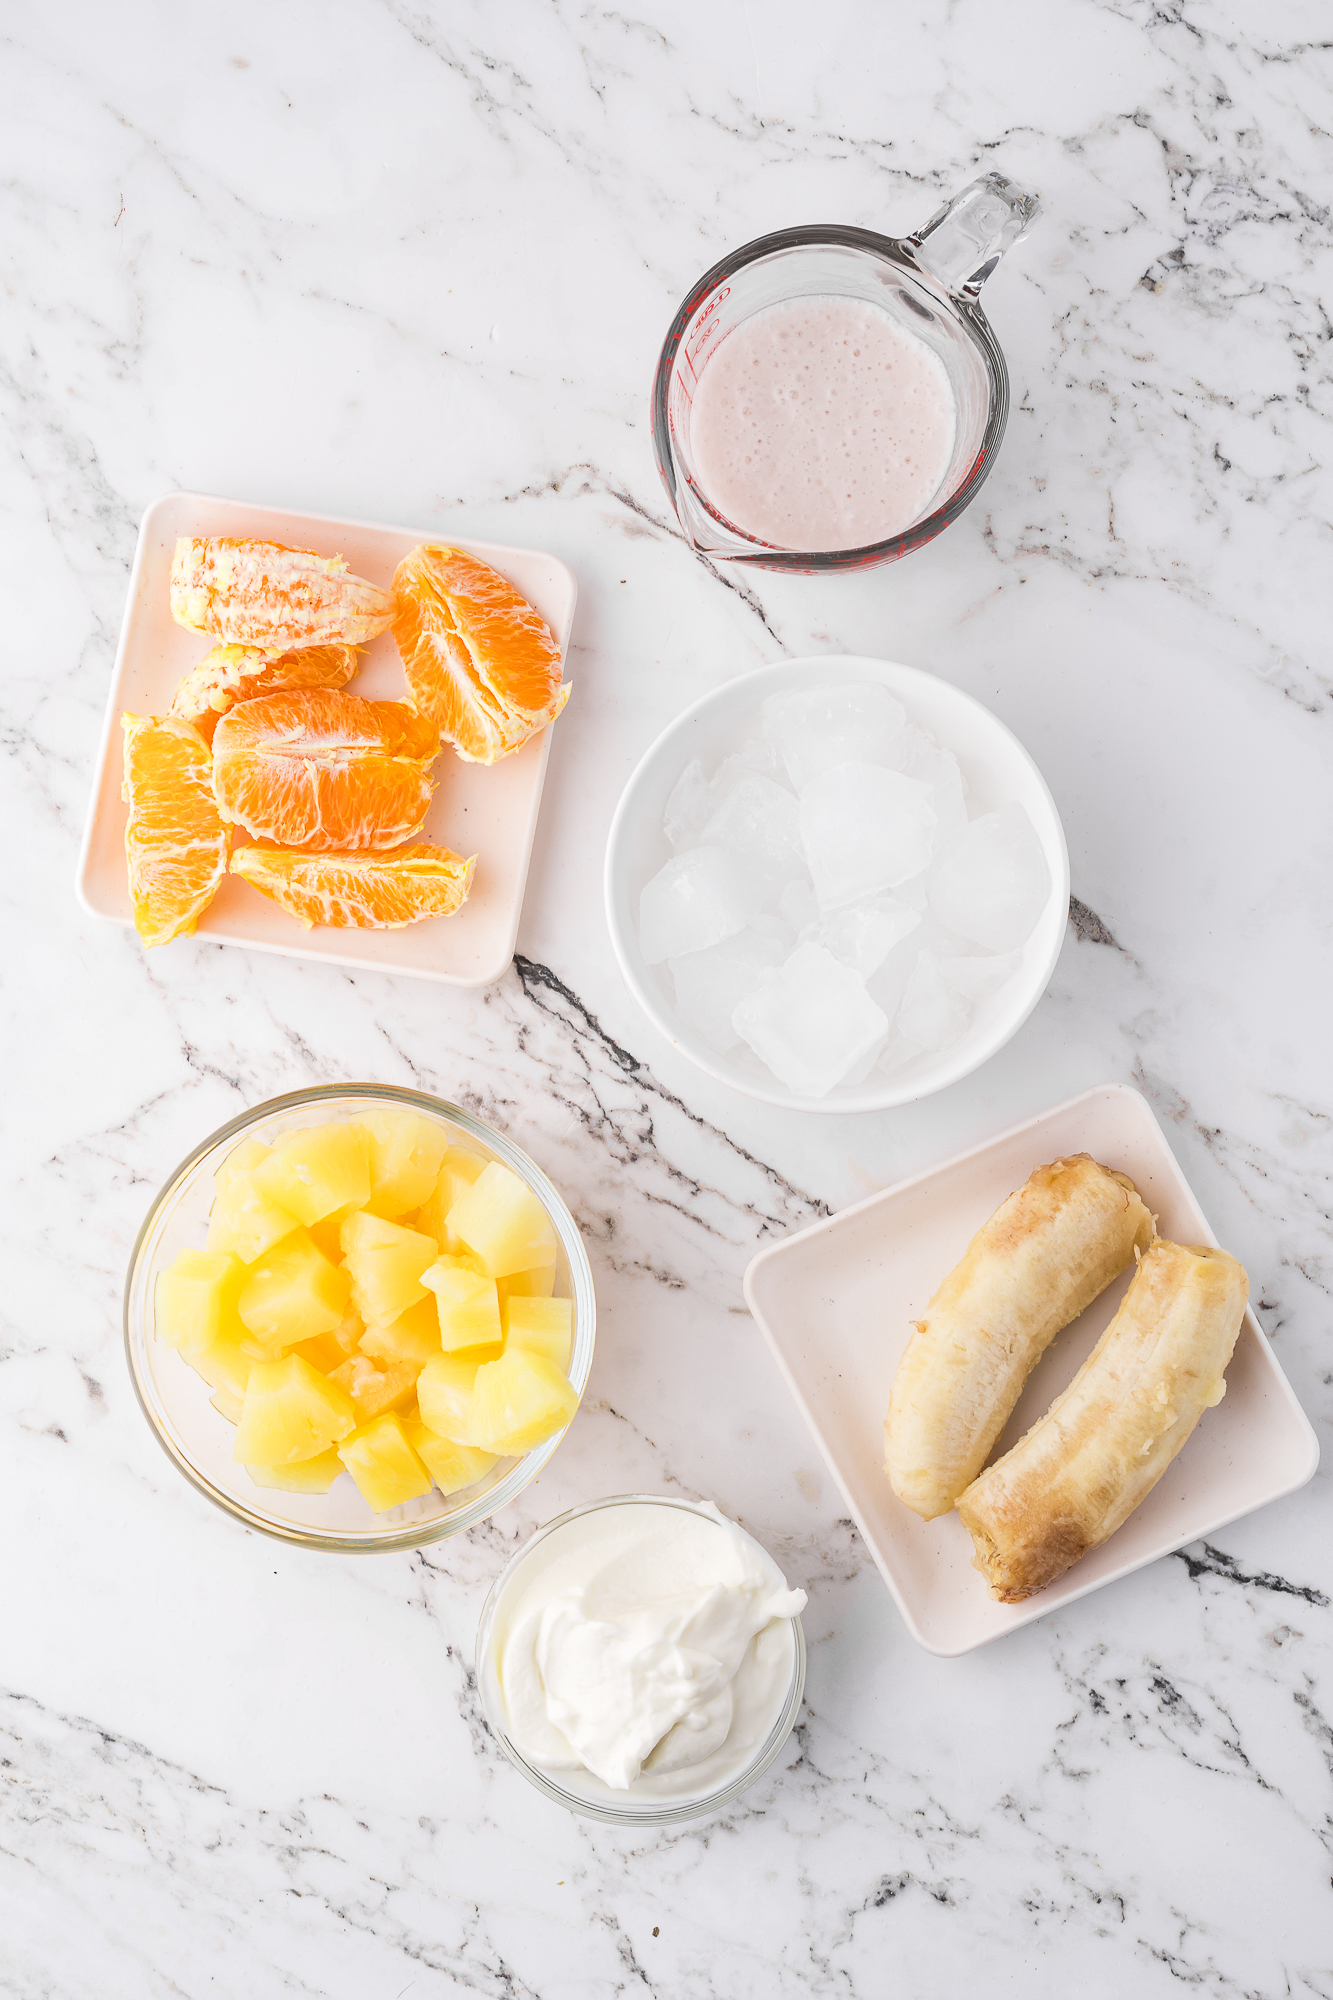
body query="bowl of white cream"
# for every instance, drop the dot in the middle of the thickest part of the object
(641, 1660)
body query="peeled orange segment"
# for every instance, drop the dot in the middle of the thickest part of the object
(262, 594)
(238, 673)
(175, 842)
(479, 661)
(366, 891)
(322, 770)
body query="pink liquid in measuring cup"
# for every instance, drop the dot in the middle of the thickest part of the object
(821, 423)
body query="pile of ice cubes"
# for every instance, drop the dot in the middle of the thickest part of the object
(829, 902)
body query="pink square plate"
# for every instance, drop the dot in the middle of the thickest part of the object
(486, 810)
(835, 1302)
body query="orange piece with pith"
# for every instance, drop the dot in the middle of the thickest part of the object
(256, 593)
(240, 673)
(367, 891)
(324, 770)
(480, 662)
(175, 842)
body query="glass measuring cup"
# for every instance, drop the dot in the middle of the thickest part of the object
(929, 282)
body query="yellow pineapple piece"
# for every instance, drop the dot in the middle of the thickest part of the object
(413, 1336)
(385, 1263)
(246, 1153)
(374, 1389)
(348, 1331)
(194, 1299)
(383, 1463)
(542, 1326)
(327, 1234)
(313, 1171)
(517, 1402)
(468, 1305)
(538, 1284)
(406, 1153)
(444, 1396)
(243, 1219)
(458, 1170)
(502, 1222)
(225, 1366)
(292, 1294)
(308, 1475)
(324, 1352)
(227, 1405)
(291, 1412)
(451, 1466)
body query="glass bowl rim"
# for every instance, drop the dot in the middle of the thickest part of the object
(668, 1812)
(418, 1534)
(889, 249)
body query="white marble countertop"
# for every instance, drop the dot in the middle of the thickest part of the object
(413, 261)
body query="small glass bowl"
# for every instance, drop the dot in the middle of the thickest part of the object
(176, 1401)
(635, 1812)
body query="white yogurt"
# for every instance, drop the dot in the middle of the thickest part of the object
(644, 1650)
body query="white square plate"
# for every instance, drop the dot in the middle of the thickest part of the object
(486, 810)
(835, 1301)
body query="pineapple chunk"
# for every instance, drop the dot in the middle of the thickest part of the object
(225, 1366)
(502, 1222)
(291, 1412)
(383, 1464)
(542, 1326)
(327, 1235)
(195, 1298)
(308, 1475)
(406, 1152)
(517, 1402)
(413, 1336)
(324, 1352)
(317, 1169)
(246, 1153)
(242, 1219)
(374, 1389)
(385, 1263)
(292, 1294)
(348, 1331)
(468, 1305)
(227, 1405)
(458, 1170)
(538, 1284)
(451, 1466)
(444, 1395)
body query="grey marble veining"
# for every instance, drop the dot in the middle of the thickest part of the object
(413, 262)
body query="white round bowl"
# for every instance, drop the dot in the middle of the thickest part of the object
(997, 769)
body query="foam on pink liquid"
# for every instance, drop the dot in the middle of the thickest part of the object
(821, 423)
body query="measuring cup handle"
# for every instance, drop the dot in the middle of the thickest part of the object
(965, 240)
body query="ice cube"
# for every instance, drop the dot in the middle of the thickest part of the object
(896, 1052)
(865, 829)
(698, 899)
(812, 1022)
(888, 982)
(917, 755)
(798, 904)
(932, 1013)
(757, 824)
(688, 807)
(756, 755)
(711, 984)
(978, 978)
(862, 935)
(993, 885)
(818, 728)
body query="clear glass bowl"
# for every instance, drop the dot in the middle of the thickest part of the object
(176, 1401)
(634, 1812)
